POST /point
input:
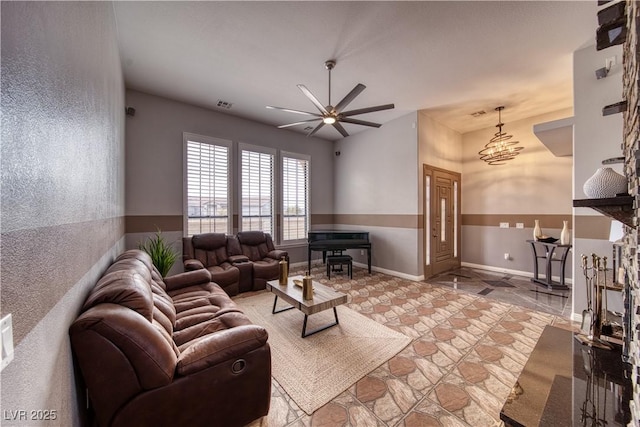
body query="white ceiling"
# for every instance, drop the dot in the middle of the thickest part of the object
(449, 58)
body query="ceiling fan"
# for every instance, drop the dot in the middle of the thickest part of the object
(331, 115)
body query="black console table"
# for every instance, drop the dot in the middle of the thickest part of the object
(546, 251)
(565, 383)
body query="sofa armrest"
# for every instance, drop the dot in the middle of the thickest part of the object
(219, 346)
(238, 259)
(193, 264)
(277, 254)
(188, 278)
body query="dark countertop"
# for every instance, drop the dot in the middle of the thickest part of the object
(565, 383)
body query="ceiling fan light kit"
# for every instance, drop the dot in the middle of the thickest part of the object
(333, 115)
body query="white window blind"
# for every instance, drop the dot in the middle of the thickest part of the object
(208, 204)
(295, 198)
(257, 191)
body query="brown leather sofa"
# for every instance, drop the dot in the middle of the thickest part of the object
(240, 263)
(209, 250)
(172, 352)
(259, 249)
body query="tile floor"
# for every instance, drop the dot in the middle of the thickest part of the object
(472, 333)
(508, 288)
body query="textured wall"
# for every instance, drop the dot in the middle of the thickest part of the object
(62, 188)
(630, 253)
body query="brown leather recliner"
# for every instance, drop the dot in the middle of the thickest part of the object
(172, 352)
(258, 247)
(209, 250)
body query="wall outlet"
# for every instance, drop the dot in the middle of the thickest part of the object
(504, 225)
(519, 224)
(6, 341)
(361, 252)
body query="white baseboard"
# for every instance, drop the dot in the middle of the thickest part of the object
(316, 262)
(509, 271)
(391, 272)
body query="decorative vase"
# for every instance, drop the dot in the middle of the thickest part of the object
(537, 231)
(605, 183)
(307, 287)
(284, 272)
(565, 236)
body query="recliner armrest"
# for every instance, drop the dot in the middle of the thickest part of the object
(217, 347)
(237, 259)
(188, 278)
(193, 264)
(277, 254)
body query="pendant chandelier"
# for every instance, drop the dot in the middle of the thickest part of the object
(500, 148)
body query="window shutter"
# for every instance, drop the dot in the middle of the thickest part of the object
(295, 198)
(207, 188)
(257, 191)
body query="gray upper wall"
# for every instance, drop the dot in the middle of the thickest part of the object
(155, 152)
(62, 188)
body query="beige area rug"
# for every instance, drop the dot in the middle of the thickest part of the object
(315, 369)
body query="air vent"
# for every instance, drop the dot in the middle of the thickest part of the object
(224, 104)
(478, 113)
(308, 128)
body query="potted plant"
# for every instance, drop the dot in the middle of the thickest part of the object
(161, 252)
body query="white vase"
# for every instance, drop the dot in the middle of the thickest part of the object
(537, 231)
(605, 183)
(565, 236)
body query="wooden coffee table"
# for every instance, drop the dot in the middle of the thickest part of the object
(323, 298)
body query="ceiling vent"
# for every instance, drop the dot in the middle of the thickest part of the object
(478, 113)
(308, 128)
(224, 104)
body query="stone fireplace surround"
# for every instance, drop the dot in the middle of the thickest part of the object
(631, 150)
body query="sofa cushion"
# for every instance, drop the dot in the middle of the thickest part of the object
(228, 319)
(126, 288)
(224, 274)
(255, 245)
(210, 248)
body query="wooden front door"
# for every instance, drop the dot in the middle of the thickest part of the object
(442, 220)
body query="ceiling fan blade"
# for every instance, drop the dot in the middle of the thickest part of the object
(368, 110)
(316, 129)
(288, 110)
(298, 123)
(360, 122)
(350, 97)
(340, 129)
(313, 99)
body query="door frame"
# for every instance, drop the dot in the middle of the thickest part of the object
(428, 218)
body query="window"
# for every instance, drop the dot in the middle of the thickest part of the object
(257, 189)
(295, 197)
(207, 204)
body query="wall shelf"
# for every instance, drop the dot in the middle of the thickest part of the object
(618, 107)
(619, 208)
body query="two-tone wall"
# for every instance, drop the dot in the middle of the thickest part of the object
(535, 185)
(375, 188)
(62, 192)
(154, 167)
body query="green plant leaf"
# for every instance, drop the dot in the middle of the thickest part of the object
(162, 254)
